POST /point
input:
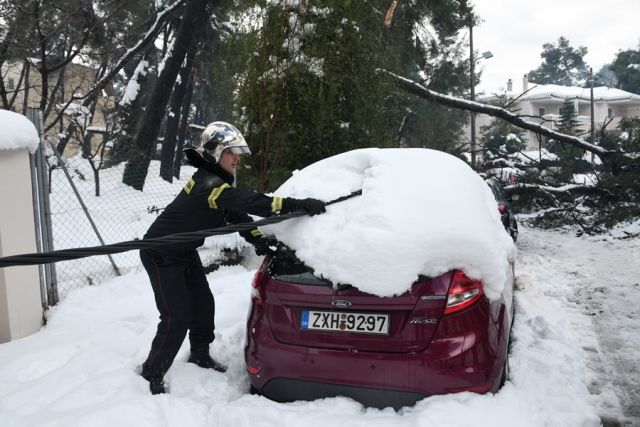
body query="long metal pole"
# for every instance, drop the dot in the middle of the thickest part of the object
(38, 229)
(593, 119)
(472, 84)
(46, 209)
(44, 212)
(84, 207)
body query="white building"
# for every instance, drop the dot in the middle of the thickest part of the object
(542, 103)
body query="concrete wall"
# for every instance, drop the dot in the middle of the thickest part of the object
(20, 303)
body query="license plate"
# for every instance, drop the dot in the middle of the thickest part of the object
(364, 323)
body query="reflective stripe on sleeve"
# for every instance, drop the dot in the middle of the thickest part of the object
(256, 233)
(189, 185)
(215, 193)
(276, 204)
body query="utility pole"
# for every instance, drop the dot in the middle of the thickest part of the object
(472, 84)
(593, 120)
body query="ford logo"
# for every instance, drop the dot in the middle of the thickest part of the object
(341, 303)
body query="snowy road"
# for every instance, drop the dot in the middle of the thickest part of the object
(575, 356)
(600, 281)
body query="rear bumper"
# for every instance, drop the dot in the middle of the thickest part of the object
(287, 390)
(460, 357)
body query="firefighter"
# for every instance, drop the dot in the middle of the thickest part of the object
(175, 271)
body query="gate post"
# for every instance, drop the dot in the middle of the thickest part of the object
(20, 303)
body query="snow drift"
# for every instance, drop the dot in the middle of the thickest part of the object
(421, 212)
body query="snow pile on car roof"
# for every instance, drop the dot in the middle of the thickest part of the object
(421, 212)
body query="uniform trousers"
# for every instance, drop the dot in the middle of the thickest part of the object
(185, 303)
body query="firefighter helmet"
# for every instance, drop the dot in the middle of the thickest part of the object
(219, 136)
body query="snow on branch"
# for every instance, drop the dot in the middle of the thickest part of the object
(151, 34)
(565, 190)
(501, 113)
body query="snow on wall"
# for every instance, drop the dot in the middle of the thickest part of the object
(17, 132)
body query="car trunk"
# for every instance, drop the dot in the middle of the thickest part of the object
(307, 311)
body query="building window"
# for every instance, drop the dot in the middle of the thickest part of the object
(541, 111)
(610, 112)
(12, 84)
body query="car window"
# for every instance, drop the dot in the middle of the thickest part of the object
(285, 266)
(497, 190)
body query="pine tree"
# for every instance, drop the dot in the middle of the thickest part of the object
(500, 139)
(310, 86)
(562, 65)
(569, 123)
(626, 67)
(570, 157)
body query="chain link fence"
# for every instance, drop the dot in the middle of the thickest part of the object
(112, 212)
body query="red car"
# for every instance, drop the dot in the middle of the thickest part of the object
(308, 339)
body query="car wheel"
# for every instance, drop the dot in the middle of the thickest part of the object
(513, 230)
(506, 369)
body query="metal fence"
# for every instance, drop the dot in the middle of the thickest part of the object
(79, 207)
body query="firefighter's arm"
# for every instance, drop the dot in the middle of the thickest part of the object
(233, 199)
(243, 201)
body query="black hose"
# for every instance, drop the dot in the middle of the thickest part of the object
(114, 248)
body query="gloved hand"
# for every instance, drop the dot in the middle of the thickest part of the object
(263, 246)
(312, 206)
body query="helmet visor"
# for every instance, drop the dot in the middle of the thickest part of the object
(241, 150)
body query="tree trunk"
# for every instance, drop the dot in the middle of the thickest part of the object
(136, 169)
(96, 179)
(25, 99)
(131, 113)
(184, 120)
(168, 152)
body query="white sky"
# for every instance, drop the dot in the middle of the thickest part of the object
(515, 30)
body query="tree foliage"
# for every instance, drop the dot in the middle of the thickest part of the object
(626, 67)
(310, 87)
(501, 139)
(562, 64)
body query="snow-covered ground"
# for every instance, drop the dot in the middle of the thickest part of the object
(575, 356)
(596, 282)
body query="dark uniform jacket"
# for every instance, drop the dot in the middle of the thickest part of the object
(208, 200)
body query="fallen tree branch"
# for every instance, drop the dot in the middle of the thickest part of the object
(570, 189)
(477, 107)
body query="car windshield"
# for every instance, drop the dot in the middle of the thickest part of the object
(285, 266)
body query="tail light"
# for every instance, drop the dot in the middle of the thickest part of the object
(253, 370)
(256, 284)
(463, 292)
(501, 208)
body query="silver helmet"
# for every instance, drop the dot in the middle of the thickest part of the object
(219, 136)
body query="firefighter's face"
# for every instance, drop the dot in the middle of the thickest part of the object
(229, 161)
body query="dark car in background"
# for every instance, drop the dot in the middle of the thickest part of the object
(507, 216)
(308, 339)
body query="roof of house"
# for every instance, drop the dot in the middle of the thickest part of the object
(546, 92)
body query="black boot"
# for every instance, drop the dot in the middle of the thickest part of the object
(156, 386)
(202, 358)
